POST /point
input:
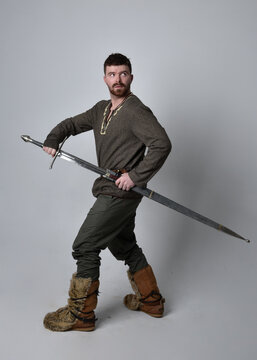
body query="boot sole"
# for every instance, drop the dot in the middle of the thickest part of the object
(153, 315)
(81, 329)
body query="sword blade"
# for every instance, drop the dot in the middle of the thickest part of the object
(112, 176)
(187, 212)
(85, 164)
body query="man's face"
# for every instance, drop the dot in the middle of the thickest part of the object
(118, 79)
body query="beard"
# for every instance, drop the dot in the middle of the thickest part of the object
(119, 91)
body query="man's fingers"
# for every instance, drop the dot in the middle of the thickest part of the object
(53, 152)
(119, 183)
(124, 182)
(49, 151)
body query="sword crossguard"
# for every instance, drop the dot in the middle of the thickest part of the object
(54, 158)
(112, 175)
(57, 153)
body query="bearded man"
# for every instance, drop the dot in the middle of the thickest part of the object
(123, 128)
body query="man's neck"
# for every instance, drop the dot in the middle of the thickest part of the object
(117, 100)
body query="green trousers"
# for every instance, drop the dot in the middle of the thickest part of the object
(109, 224)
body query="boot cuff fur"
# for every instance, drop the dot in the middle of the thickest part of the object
(79, 286)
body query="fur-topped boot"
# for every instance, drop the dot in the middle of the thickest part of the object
(147, 297)
(79, 313)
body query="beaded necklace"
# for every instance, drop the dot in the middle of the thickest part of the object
(106, 121)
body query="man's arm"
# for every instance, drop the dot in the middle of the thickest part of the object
(146, 128)
(71, 126)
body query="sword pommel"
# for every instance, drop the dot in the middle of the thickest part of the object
(26, 138)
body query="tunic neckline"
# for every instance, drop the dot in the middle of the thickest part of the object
(106, 121)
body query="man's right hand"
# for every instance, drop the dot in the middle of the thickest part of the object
(49, 150)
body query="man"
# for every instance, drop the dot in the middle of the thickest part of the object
(123, 127)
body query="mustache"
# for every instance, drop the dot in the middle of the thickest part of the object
(118, 84)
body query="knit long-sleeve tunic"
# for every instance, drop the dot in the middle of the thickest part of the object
(121, 142)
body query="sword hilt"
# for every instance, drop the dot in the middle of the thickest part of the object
(27, 138)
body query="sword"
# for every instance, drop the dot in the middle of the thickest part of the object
(150, 194)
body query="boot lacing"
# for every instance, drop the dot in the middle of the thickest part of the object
(152, 294)
(84, 320)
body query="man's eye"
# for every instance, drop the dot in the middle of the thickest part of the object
(124, 74)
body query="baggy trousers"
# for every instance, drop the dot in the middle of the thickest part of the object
(109, 224)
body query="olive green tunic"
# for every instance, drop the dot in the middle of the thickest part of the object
(120, 142)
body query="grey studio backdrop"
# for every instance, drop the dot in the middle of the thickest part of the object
(194, 64)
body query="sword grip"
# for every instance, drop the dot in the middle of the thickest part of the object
(27, 138)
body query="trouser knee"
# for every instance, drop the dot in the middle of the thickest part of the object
(134, 257)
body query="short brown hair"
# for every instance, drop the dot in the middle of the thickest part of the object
(117, 59)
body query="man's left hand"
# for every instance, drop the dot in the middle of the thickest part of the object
(124, 182)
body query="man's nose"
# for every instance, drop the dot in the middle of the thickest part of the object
(118, 78)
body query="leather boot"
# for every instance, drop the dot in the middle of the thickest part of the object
(79, 313)
(147, 297)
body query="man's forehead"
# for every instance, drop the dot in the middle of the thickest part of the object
(116, 68)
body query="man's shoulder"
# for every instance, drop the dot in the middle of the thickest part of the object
(137, 105)
(102, 103)
(134, 100)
